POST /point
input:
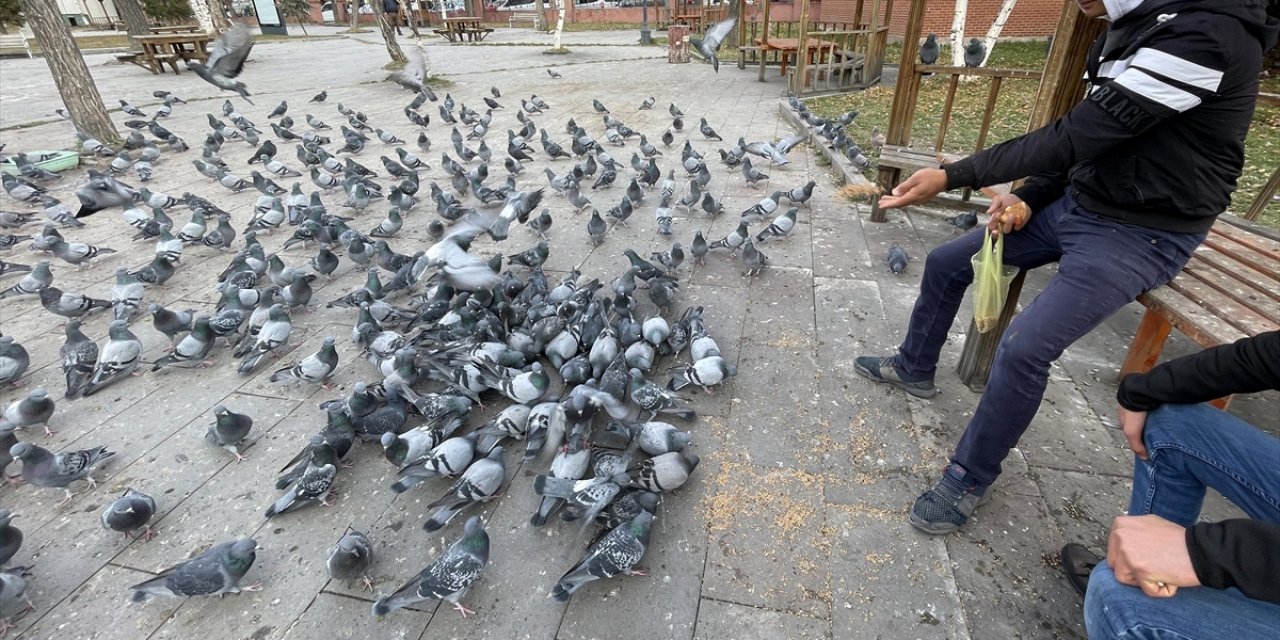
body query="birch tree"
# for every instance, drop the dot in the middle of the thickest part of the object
(957, 33)
(204, 16)
(996, 27)
(559, 23)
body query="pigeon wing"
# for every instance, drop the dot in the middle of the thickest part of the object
(718, 32)
(228, 54)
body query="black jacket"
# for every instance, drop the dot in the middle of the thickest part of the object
(1158, 140)
(1233, 553)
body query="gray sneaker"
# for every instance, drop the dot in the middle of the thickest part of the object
(883, 369)
(948, 505)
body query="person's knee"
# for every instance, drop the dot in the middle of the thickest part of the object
(1107, 604)
(949, 260)
(1173, 424)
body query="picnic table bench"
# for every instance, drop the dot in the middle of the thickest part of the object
(168, 48)
(466, 28)
(180, 28)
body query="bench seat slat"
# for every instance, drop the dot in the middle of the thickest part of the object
(1240, 274)
(1191, 319)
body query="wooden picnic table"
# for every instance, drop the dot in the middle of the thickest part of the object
(168, 48)
(181, 28)
(691, 20)
(787, 48)
(463, 28)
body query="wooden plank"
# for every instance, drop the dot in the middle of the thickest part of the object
(1243, 254)
(950, 98)
(1242, 293)
(1147, 344)
(1209, 257)
(988, 110)
(1224, 307)
(1061, 85)
(1264, 197)
(1192, 320)
(981, 72)
(1266, 246)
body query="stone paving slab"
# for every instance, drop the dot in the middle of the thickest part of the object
(794, 523)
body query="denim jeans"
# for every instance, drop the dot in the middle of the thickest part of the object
(1102, 266)
(1191, 447)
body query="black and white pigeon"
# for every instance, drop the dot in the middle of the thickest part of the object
(930, 49)
(616, 553)
(655, 399)
(227, 56)
(43, 468)
(781, 227)
(975, 53)
(479, 483)
(133, 510)
(33, 409)
(448, 576)
(273, 335)
(79, 359)
(215, 572)
(350, 559)
(447, 459)
(117, 360)
(705, 373)
(316, 483)
(710, 42)
(315, 368)
(229, 430)
(663, 473)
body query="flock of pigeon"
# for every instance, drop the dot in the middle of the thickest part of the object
(566, 370)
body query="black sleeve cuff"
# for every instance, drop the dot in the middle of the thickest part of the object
(960, 174)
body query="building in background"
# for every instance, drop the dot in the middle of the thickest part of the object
(84, 13)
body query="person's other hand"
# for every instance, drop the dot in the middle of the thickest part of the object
(1008, 213)
(1150, 552)
(1133, 423)
(922, 185)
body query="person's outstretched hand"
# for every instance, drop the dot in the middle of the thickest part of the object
(921, 186)
(1008, 213)
(1150, 552)
(1133, 423)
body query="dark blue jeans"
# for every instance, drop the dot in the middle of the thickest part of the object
(1102, 266)
(1192, 447)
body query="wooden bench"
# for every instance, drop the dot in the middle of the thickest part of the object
(14, 44)
(1230, 289)
(909, 160)
(530, 17)
(476, 34)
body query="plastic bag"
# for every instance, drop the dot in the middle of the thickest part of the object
(991, 282)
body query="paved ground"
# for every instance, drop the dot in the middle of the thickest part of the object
(794, 525)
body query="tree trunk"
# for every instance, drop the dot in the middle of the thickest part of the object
(542, 16)
(411, 18)
(559, 22)
(388, 33)
(204, 17)
(218, 14)
(70, 73)
(353, 14)
(135, 20)
(957, 33)
(993, 33)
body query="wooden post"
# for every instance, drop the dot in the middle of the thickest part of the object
(904, 102)
(1268, 192)
(70, 74)
(800, 68)
(1060, 89)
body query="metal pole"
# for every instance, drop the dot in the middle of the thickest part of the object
(644, 23)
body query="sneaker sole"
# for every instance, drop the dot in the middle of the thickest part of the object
(943, 528)
(924, 394)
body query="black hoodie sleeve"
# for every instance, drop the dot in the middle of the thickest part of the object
(1247, 365)
(1237, 553)
(1178, 65)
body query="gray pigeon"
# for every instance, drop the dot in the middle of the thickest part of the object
(479, 483)
(974, 53)
(126, 295)
(117, 360)
(42, 468)
(350, 559)
(316, 483)
(709, 43)
(616, 553)
(315, 368)
(13, 587)
(131, 511)
(215, 572)
(897, 258)
(706, 373)
(448, 576)
(226, 60)
(964, 221)
(929, 50)
(663, 473)
(69, 305)
(273, 335)
(79, 358)
(31, 284)
(10, 536)
(447, 459)
(36, 408)
(229, 430)
(753, 260)
(194, 347)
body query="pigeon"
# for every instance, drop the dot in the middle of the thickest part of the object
(170, 323)
(929, 50)
(448, 576)
(654, 438)
(598, 106)
(43, 468)
(14, 360)
(734, 240)
(350, 559)
(133, 510)
(79, 359)
(801, 194)
(706, 373)
(663, 473)
(615, 553)
(414, 74)
(654, 399)
(273, 335)
(709, 43)
(77, 253)
(964, 221)
(699, 247)
(10, 536)
(13, 587)
(215, 572)
(707, 131)
(314, 485)
(596, 227)
(319, 97)
(479, 483)
(117, 360)
(753, 259)
(781, 226)
(69, 305)
(897, 258)
(554, 74)
(226, 60)
(751, 174)
(279, 110)
(975, 53)
(126, 295)
(648, 103)
(34, 409)
(229, 430)
(315, 368)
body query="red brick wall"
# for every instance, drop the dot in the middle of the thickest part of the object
(1030, 18)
